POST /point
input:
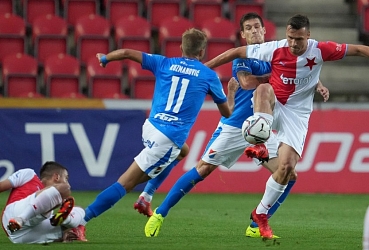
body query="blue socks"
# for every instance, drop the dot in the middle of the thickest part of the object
(183, 185)
(105, 200)
(276, 205)
(155, 183)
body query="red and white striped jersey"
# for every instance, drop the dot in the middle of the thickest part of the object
(25, 182)
(294, 78)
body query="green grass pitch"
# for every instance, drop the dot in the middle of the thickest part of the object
(218, 221)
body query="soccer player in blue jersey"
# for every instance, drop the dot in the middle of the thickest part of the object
(227, 143)
(181, 86)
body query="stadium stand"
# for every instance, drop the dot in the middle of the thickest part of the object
(116, 9)
(74, 9)
(200, 10)
(12, 35)
(170, 35)
(34, 8)
(92, 35)
(134, 32)
(141, 82)
(221, 35)
(20, 75)
(62, 76)
(49, 36)
(240, 7)
(105, 82)
(6, 6)
(157, 9)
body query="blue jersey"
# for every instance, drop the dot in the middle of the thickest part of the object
(243, 106)
(180, 89)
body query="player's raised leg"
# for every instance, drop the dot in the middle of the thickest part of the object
(44, 201)
(143, 203)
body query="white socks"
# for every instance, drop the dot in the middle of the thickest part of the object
(272, 193)
(75, 218)
(146, 196)
(266, 116)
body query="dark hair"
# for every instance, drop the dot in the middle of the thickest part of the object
(248, 16)
(299, 21)
(49, 168)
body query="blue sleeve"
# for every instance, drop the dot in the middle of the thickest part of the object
(151, 61)
(241, 65)
(216, 90)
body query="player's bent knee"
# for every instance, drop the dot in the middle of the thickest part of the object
(64, 189)
(204, 169)
(184, 152)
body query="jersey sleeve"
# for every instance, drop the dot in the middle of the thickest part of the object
(263, 51)
(240, 65)
(151, 61)
(216, 90)
(332, 51)
(21, 177)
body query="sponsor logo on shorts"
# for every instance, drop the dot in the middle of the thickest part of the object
(212, 153)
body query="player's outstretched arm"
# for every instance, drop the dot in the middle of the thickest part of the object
(5, 185)
(323, 91)
(357, 50)
(248, 81)
(119, 54)
(227, 56)
(233, 85)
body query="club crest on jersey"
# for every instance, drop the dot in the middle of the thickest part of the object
(212, 153)
(310, 63)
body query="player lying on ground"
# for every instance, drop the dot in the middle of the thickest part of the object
(28, 215)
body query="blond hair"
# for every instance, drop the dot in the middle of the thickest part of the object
(193, 41)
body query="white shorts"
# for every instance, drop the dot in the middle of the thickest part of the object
(227, 145)
(37, 230)
(158, 153)
(291, 127)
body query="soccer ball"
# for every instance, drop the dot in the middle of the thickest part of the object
(256, 129)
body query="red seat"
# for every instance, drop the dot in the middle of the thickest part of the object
(365, 19)
(116, 9)
(134, 32)
(92, 35)
(6, 6)
(239, 8)
(141, 82)
(104, 82)
(200, 10)
(62, 74)
(271, 30)
(34, 8)
(73, 95)
(20, 75)
(49, 35)
(221, 35)
(12, 35)
(30, 95)
(157, 9)
(170, 35)
(74, 9)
